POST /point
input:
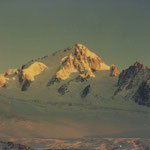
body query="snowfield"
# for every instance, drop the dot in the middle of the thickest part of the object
(63, 124)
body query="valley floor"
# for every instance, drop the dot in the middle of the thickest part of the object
(108, 125)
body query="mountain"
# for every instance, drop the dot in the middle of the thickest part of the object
(133, 83)
(78, 71)
(73, 94)
(73, 65)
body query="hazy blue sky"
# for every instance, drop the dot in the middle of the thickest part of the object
(117, 30)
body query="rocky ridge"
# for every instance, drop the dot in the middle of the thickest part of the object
(133, 83)
(83, 61)
(142, 95)
(78, 64)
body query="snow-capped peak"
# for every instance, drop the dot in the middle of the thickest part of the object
(82, 60)
(33, 70)
(8, 75)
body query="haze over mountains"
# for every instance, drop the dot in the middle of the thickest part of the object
(74, 94)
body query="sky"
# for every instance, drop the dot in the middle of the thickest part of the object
(116, 30)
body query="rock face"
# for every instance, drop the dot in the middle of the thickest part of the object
(53, 81)
(134, 82)
(25, 85)
(132, 77)
(63, 89)
(114, 71)
(86, 91)
(142, 96)
(83, 61)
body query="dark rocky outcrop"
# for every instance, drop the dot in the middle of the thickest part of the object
(135, 84)
(68, 49)
(142, 96)
(25, 85)
(132, 77)
(80, 79)
(53, 81)
(63, 89)
(20, 76)
(85, 91)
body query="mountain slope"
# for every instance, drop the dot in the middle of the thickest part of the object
(73, 65)
(133, 83)
(73, 94)
(77, 73)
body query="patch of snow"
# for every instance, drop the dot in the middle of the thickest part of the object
(33, 70)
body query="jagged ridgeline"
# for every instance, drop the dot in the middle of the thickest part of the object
(77, 59)
(134, 83)
(77, 72)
